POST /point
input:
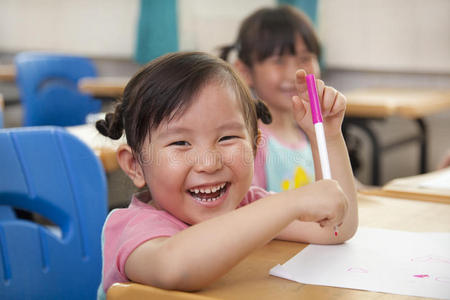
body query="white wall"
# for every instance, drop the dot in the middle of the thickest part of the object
(88, 27)
(392, 35)
(207, 24)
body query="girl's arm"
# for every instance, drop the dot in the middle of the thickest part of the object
(333, 108)
(198, 255)
(308, 232)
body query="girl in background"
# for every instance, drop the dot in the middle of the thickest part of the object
(271, 45)
(191, 129)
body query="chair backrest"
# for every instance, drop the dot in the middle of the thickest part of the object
(49, 172)
(48, 87)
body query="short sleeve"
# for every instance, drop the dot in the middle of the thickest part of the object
(127, 229)
(254, 193)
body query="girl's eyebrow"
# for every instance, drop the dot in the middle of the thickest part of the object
(230, 125)
(167, 131)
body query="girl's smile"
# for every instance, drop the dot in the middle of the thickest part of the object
(210, 195)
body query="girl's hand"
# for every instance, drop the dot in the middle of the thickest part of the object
(332, 104)
(327, 205)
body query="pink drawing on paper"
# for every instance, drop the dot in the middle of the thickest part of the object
(442, 279)
(431, 259)
(445, 279)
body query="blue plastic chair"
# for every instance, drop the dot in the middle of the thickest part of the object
(48, 88)
(46, 170)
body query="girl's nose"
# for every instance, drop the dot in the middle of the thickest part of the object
(208, 161)
(289, 71)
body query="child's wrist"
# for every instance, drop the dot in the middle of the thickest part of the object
(335, 136)
(298, 197)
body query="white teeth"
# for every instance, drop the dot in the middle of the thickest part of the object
(208, 190)
(208, 199)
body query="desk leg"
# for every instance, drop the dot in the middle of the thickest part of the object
(378, 149)
(376, 146)
(423, 145)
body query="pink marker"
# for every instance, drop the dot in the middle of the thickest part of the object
(318, 129)
(318, 126)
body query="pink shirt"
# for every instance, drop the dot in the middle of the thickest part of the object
(125, 229)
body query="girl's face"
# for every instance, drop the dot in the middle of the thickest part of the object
(200, 165)
(273, 79)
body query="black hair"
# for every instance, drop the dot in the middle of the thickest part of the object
(165, 87)
(270, 31)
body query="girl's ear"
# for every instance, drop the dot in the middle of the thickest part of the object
(244, 71)
(130, 165)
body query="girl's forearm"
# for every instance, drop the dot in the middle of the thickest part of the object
(195, 257)
(341, 171)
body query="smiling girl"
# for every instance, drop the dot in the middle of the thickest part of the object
(191, 129)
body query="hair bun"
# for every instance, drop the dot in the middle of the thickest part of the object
(102, 127)
(111, 126)
(263, 113)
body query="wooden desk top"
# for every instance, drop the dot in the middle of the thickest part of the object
(250, 279)
(104, 87)
(408, 103)
(104, 147)
(7, 73)
(411, 188)
(373, 102)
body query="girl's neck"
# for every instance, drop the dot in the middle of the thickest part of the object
(284, 127)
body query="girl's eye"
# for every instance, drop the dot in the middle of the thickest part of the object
(278, 60)
(179, 143)
(275, 59)
(228, 137)
(304, 59)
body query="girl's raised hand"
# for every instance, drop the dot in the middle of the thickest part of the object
(332, 104)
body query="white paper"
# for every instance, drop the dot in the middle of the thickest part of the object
(380, 260)
(438, 182)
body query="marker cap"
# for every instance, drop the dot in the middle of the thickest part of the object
(313, 98)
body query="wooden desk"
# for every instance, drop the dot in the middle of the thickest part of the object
(410, 188)
(103, 87)
(408, 103)
(7, 73)
(104, 147)
(375, 104)
(250, 279)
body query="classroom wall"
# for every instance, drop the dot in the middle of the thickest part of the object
(87, 27)
(206, 24)
(400, 35)
(388, 35)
